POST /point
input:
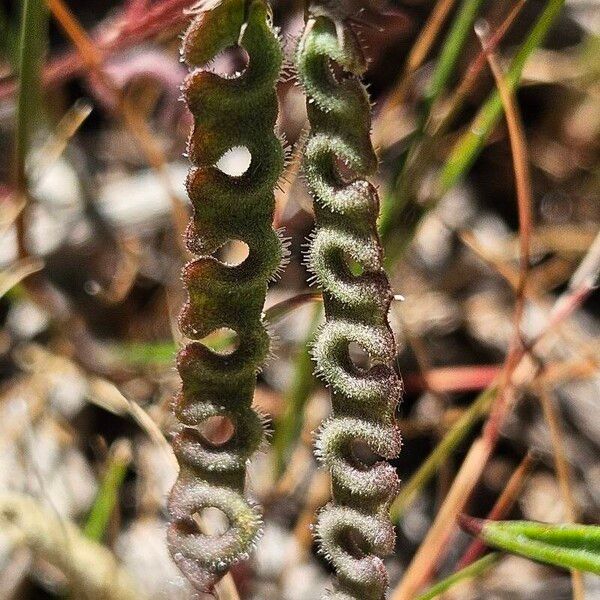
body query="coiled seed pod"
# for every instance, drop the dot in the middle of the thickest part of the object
(229, 112)
(354, 530)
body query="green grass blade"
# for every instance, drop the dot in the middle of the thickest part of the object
(565, 545)
(108, 494)
(469, 146)
(451, 49)
(401, 212)
(143, 354)
(32, 46)
(441, 452)
(470, 572)
(399, 200)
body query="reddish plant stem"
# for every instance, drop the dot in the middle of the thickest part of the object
(453, 379)
(519, 152)
(432, 547)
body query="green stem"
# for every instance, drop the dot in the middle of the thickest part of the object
(474, 570)
(442, 451)
(451, 49)
(32, 44)
(157, 353)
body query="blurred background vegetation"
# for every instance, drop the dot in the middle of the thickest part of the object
(92, 209)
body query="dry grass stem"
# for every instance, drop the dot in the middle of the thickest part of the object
(135, 123)
(563, 473)
(91, 569)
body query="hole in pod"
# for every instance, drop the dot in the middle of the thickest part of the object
(354, 543)
(343, 171)
(231, 62)
(338, 72)
(354, 266)
(235, 162)
(362, 455)
(217, 430)
(359, 356)
(212, 521)
(223, 341)
(232, 253)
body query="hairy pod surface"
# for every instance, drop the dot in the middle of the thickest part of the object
(345, 256)
(229, 112)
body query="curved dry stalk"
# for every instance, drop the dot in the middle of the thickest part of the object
(135, 124)
(563, 473)
(91, 569)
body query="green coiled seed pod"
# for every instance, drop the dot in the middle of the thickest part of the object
(229, 112)
(354, 529)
